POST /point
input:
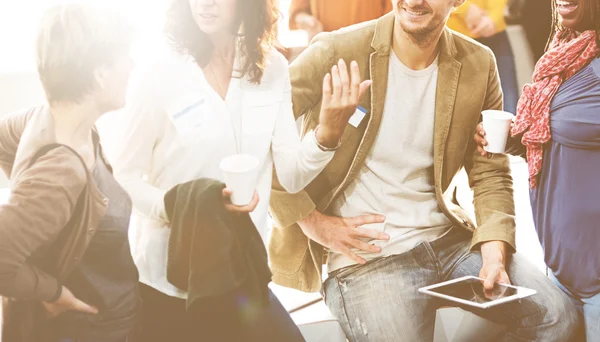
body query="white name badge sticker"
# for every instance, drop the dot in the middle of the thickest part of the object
(358, 116)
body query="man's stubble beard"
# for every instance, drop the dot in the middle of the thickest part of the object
(422, 36)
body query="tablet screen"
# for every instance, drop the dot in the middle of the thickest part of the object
(472, 290)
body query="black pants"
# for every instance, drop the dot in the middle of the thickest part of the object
(164, 319)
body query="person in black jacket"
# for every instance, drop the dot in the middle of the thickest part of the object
(536, 20)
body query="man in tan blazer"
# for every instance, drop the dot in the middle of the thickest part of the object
(381, 215)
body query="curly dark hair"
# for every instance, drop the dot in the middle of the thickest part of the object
(592, 16)
(258, 18)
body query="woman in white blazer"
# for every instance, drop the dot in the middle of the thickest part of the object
(224, 91)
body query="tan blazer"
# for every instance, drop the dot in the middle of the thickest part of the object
(467, 84)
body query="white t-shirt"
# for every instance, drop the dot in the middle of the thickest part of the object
(397, 180)
(176, 128)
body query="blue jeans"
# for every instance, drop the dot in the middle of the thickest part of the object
(379, 301)
(500, 46)
(589, 308)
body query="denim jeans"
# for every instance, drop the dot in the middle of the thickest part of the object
(589, 308)
(379, 301)
(500, 46)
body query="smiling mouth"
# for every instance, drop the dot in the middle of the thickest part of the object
(566, 4)
(415, 13)
(207, 16)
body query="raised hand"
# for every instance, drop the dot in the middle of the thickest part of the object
(342, 92)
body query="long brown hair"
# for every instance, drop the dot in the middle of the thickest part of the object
(591, 13)
(258, 19)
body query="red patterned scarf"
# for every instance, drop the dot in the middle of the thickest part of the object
(564, 58)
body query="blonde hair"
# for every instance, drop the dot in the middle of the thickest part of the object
(73, 40)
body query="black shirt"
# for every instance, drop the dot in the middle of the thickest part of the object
(107, 277)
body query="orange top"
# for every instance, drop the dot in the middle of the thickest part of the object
(335, 14)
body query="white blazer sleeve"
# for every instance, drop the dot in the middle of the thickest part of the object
(297, 161)
(138, 132)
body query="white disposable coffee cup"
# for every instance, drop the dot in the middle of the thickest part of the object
(241, 175)
(496, 124)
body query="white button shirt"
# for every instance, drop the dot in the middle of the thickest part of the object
(176, 128)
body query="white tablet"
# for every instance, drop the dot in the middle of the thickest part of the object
(469, 290)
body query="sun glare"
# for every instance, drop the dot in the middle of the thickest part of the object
(19, 18)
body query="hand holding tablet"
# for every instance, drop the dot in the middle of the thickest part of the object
(469, 290)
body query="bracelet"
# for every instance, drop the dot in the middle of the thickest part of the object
(324, 148)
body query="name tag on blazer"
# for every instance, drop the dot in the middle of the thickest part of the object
(190, 114)
(357, 117)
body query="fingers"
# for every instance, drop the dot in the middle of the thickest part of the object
(366, 219)
(359, 88)
(248, 208)
(227, 193)
(238, 209)
(344, 78)
(355, 88)
(480, 129)
(351, 90)
(479, 138)
(327, 91)
(481, 143)
(361, 232)
(481, 150)
(504, 278)
(491, 278)
(493, 274)
(254, 201)
(364, 87)
(337, 83)
(83, 307)
(350, 254)
(363, 246)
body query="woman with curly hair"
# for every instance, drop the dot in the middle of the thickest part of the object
(558, 130)
(223, 91)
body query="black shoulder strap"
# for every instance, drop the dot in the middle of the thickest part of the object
(98, 147)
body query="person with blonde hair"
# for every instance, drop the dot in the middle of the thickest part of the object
(66, 271)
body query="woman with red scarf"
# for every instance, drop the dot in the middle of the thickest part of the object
(557, 129)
